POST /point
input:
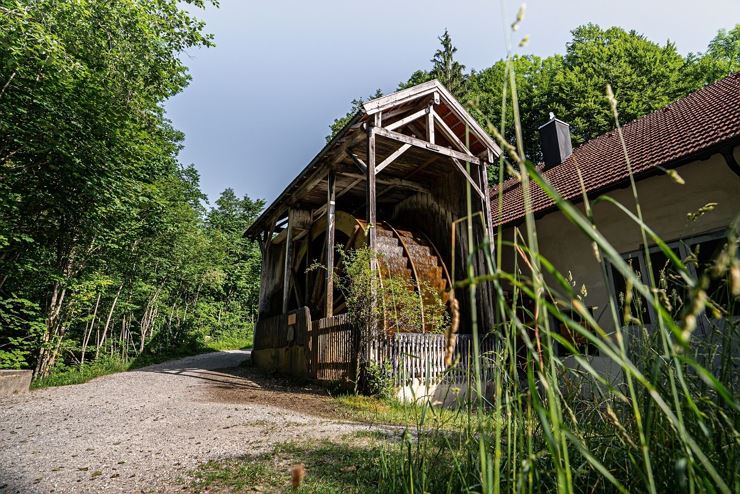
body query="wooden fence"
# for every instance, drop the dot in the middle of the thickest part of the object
(333, 345)
(420, 356)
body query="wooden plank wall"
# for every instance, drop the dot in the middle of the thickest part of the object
(332, 346)
(274, 332)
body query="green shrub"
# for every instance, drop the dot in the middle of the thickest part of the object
(377, 380)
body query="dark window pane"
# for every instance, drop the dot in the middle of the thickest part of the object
(672, 290)
(582, 344)
(704, 255)
(638, 308)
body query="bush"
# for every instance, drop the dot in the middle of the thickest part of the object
(377, 380)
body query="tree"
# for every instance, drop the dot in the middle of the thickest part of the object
(721, 59)
(446, 69)
(534, 78)
(645, 76)
(84, 148)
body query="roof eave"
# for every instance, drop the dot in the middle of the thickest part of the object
(273, 209)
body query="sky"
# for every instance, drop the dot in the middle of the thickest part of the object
(260, 103)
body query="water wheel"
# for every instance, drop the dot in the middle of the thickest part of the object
(402, 254)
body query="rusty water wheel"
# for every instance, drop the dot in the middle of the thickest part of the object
(403, 254)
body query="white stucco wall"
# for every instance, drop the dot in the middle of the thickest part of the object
(665, 207)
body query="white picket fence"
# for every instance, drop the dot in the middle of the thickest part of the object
(420, 356)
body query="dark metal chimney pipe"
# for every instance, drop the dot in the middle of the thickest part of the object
(555, 141)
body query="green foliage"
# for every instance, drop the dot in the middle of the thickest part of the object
(65, 375)
(378, 380)
(445, 69)
(108, 247)
(400, 304)
(21, 332)
(644, 76)
(721, 59)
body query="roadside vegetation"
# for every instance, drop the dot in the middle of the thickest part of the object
(110, 254)
(64, 375)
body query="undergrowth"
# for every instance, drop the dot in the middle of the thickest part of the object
(63, 375)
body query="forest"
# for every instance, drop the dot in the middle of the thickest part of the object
(110, 252)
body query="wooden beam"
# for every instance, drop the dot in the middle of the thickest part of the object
(393, 182)
(396, 136)
(358, 163)
(470, 179)
(448, 132)
(410, 118)
(430, 124)
(488, 212)
(390, 159)
(399, 97)
(371, 197)
(388, 114)
(288, 264)
(330, 231)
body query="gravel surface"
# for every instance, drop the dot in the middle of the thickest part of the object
(142, 431)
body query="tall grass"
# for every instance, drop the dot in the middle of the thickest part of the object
(557, 423)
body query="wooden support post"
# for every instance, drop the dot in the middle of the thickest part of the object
(430, 123)
(288, 265)
(372, 222)
(330, 231)
(487, 193)
(371, 195)
(307, 277)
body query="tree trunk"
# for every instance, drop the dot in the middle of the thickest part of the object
(107, 322)
(147, 319)
(88, 330)
(52, 325)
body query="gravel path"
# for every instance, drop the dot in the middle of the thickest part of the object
(140, 431)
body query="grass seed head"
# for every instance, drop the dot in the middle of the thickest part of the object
(297, 474)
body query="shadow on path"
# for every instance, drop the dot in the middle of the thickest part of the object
(230, 379)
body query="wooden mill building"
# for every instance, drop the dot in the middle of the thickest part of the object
(394, 179)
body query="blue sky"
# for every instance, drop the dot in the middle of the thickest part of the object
(261, 101)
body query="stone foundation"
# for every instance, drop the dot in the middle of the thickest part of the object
(14, 382)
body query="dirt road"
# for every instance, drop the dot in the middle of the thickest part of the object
(143, 430)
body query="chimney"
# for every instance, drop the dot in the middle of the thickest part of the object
(555, 141)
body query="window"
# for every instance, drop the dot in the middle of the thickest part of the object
(582, 344)
(671, 286)
(638, 309)
(698, 253)
(703, 252)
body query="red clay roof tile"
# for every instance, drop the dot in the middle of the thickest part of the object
(701, 120)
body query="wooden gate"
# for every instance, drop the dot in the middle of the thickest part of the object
(332, 353)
